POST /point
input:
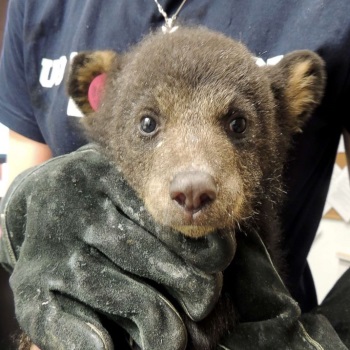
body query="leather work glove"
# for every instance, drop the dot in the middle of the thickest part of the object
(81, 245)
(269, 318)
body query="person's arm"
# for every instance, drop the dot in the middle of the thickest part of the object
(24, 153)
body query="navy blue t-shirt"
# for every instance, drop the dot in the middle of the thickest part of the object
(42, 36)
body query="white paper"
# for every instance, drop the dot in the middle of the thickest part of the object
(336, 173)
(339, 194)
(341, 146)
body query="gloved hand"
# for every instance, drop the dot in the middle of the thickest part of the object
(269, 319)
(82, 245)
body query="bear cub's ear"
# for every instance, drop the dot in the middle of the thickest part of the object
(86, 78)
(298, 82)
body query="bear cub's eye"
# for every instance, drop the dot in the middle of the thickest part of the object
(238, 125)
(148, 125)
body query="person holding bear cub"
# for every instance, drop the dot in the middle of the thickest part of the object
(66, 267)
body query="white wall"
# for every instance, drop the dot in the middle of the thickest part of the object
(3, 139)
(3, 150)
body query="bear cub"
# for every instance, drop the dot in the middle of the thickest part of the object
(201, 133)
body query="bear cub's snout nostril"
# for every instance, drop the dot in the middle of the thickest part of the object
(193, 190)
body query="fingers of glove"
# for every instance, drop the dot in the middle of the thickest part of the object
(212, 253)
(146, 314)
(54, 325)
(138, 252)
(253, 266)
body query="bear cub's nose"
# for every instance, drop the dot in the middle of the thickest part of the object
(193, 190)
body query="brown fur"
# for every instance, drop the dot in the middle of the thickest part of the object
(193, 82)
(24, 342)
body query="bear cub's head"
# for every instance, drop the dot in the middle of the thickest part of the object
(198, 129)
